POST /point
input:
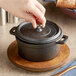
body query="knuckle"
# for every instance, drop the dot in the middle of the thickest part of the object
(44, 9)
(27, 2)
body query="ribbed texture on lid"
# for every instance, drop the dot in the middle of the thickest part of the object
(27, 33)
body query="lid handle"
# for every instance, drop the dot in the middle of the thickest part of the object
(39, 28)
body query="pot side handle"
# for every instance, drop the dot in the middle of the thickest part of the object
(63, 40)
(12, 31)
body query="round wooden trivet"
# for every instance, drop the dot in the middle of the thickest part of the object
(37, 66)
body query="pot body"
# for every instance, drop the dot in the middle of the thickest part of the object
(38, 46)
(34, 52)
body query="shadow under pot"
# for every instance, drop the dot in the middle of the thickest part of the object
(39, 44)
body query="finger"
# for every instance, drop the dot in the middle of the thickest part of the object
(30, 18)
(37, 13)
(40, 7)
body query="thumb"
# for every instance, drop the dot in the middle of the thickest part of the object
(30, 18)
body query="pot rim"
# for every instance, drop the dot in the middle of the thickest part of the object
(20, 36)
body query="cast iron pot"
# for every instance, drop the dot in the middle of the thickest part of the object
(39, 44)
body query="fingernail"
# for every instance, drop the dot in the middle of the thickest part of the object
(35, 26)
(43, 25)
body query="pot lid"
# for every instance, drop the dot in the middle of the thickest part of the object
(27, 33)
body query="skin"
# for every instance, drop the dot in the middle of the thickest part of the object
(30, 10)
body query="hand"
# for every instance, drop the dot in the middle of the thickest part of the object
(30, 10)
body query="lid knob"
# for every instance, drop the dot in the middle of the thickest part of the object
(39, 28)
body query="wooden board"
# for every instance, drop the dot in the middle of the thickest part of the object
(60, 59)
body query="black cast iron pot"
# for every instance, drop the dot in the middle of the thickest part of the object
(38, 44)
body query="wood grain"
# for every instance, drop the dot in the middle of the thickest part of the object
(60, 59)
